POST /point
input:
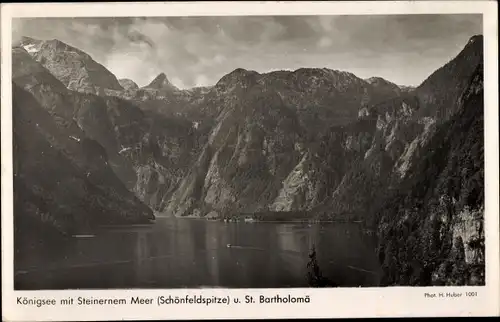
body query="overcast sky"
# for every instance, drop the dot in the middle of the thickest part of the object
(196, 51)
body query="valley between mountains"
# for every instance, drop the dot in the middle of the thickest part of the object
(311, 144)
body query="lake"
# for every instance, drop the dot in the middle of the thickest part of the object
(194, 253)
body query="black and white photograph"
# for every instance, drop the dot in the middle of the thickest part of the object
(248, 151)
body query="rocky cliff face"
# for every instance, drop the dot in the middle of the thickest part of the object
(162, 158)
(372, 131)
(437, 216)
(403, 126)
(88, 113)
(390, 128)
(250, 108)
(438, 94)
(74, 68)
(63, 183)
(128, 84)
(141, 145)
(314, 98)
(253, 146)
(320, 97)
(310, 185)
(315, 142)
(384, 85)
(161, 83)
(320, 141)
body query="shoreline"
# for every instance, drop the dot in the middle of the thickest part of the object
(253, 220)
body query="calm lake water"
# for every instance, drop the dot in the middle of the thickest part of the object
(177, 253)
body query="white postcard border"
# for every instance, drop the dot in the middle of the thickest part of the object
(338, 302)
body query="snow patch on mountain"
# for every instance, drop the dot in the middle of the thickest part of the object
(30, 48)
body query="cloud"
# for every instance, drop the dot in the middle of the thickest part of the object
(196, 51)
(178, 82)
(202, 80)
(219, 58)
(325, 42)
(125, 65)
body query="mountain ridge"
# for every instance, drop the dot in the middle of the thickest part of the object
(63, 184)
(73, 67)
(161, 82)
(315, 143)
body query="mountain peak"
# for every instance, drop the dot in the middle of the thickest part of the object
(161, 76)
(128, 83)
(73, 67)
(476, 38)
(56, 44)
(439, 91)
(376, 79)
(238, 76)
(380, 81)
(161, 82)
(475, 44)
(26, 39)
(243, 72)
